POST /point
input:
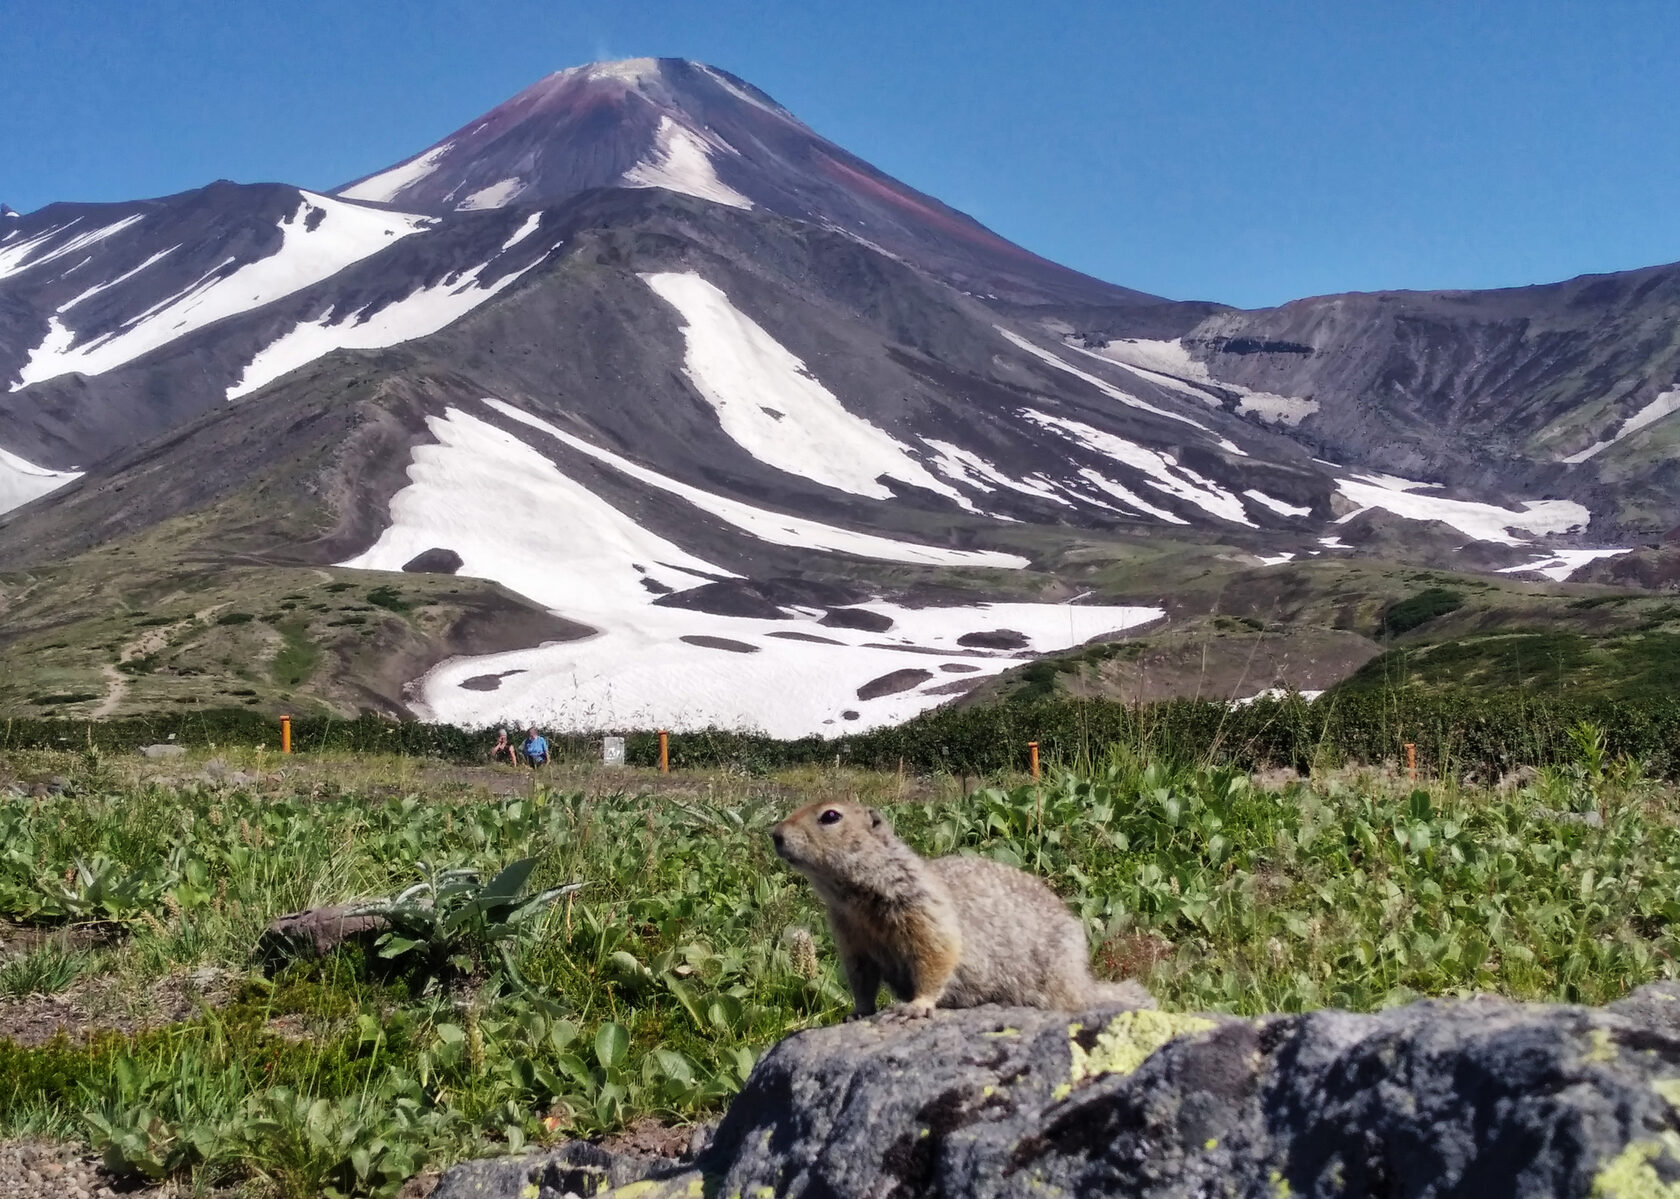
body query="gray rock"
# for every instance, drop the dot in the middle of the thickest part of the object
(162, 750)
(1481, 1098)
(317, 931)
(216, 770)
(576, 1168)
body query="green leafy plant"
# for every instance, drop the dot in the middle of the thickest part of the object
(448, 923)
(48, 969)
(103, 891)
(339, 1148)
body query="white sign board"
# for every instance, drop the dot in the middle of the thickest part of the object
(612, 751)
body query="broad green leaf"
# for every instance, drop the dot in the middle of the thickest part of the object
(612, 1045)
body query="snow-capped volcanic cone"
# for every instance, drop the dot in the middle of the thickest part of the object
(671, 123)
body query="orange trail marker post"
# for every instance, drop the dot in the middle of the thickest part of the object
(1032, 749)
(285, 734)
(664, 752)
(1411, 760)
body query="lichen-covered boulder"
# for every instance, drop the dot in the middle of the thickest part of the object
(1479, 1098)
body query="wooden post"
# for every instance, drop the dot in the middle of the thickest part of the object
(1411, 760)
(285, 734)
(1032, 748)
(664, 752)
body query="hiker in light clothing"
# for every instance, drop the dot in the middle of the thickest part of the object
(536, 748)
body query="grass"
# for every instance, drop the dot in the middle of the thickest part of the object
(1639, 663)
(650, 993)
(48, 969)
(298, 656)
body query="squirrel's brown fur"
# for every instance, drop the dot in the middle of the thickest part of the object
(940, 932)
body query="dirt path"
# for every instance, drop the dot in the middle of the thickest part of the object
(149, 642)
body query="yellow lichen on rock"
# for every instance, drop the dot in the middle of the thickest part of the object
(1601, 1050)
(1630, 1174)
(1126, 1042)
(681, 1186)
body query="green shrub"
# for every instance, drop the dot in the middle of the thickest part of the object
(386, 596)
(1403, 616)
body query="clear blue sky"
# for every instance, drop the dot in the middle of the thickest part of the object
(1249, 151)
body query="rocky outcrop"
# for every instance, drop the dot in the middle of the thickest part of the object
(1481, 1097)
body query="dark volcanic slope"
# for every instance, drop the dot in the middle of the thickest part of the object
(1515, 387)
(672, 123)
(969, 421)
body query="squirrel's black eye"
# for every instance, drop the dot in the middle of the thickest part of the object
(832, 816)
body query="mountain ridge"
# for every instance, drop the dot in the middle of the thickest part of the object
(801, 446)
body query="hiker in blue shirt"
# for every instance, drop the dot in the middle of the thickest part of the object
(536, 748)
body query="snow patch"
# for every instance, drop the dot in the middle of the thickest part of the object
(682, 162)
(495, 196)
(624, 70)
(22, 481)
(1666, 404)
(418, 314)
(1127, 496)
(1108, 389)
(1159, 378)
(742, 94)
(384, 187)
(344, 234)
(1275, 559)
(1483, 522)
(528, 227)
(1561, 564)
(586, 560)
(1275, 693)
(971, 470)
(1276, 505)
(777, 528)
(1165, 473)
(122, 278)
(1278, 410)
(14, 260)
(1169, 362)
(774, 407)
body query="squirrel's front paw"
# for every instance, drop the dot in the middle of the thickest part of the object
(913, 1009)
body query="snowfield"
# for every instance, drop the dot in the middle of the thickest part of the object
(1667, 404)
(384, 187)
(497, 195)
(342, 234)
(1483, 522)
(778, 528)
(681, 161)
(120, 279)
(773, 407)
(1560, 565)
(1165, 473)
(22, 481)
(1169, 364)
(422, 312)
(971, 470)
(668, 667)
(1113, 392)
(1275, 504)
(31, 253)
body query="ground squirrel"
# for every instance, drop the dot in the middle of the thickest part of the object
(951, 932)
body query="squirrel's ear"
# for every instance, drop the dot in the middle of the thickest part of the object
(876, 820)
